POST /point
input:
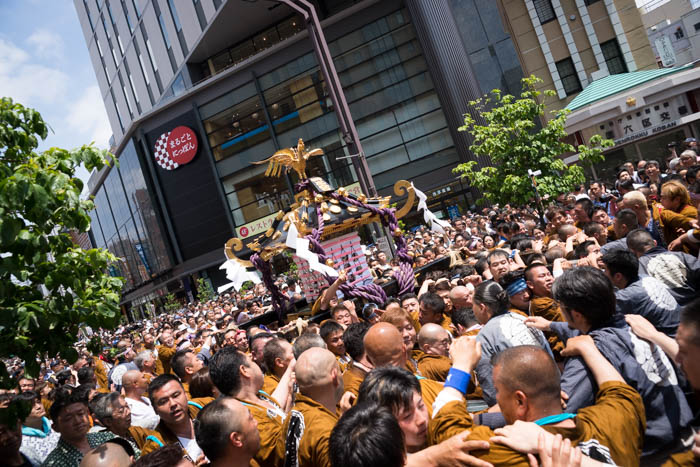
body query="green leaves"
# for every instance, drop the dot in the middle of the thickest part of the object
(9, 229)
(48, 286)
(513, 142)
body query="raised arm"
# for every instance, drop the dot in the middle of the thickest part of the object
(585, 347)
(644, 329)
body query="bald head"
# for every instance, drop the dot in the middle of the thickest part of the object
(106, 455)
(384, 345)
(314, 368)
(431, 333)
(131, 378)
(531, 370)
(215, 424)
(461, 296)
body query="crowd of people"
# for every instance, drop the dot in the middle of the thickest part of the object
(564, 337)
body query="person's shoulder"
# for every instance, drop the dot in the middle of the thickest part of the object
(141, 435)
(100, 437)
(431, 385)
(497, 454)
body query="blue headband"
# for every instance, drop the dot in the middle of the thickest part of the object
(516, 287)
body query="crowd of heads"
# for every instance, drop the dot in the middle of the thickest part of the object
(579, 263)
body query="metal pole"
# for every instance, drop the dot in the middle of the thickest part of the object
(342, 111)
(538, 199)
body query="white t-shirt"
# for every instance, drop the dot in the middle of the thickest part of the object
(192, 448)
(142, 413)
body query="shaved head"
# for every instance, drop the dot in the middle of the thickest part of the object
(384, 345)
(531, 370)
(461, 296)
(314, 367)
(131, 377)
(431, 333)
(106, 455)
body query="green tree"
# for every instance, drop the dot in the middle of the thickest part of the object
(48, 286)
(205, 291)
(172, 303)
(514, 143)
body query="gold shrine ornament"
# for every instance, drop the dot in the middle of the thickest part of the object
(290, 158)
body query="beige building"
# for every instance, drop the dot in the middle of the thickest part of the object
(570, 43)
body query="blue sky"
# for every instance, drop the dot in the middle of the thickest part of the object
(44, 64)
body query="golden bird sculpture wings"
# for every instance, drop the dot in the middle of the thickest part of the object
(289, 158)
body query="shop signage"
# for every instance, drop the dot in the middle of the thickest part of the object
(251, 229)
(645, 133)
(176, 147)
(664, 48)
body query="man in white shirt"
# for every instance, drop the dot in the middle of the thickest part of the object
(135, 384)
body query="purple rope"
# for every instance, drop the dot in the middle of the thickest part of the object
(404, 276)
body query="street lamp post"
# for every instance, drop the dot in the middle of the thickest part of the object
(325, 61)
(538, 198)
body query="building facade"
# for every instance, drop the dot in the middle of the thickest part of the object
(219, 85)
(571, 43)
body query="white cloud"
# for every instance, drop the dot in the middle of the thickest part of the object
(77, 116)
(88, 117)
(27, 82)
(46, 44)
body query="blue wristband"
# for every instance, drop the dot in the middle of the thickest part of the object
(458, 380)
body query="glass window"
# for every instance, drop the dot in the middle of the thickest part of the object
(200, 14)
(249, 46)
(266, 38)
(111, 16)
(613, 57)
(116, 106)
(470, 25)
(251, 195)
(126, 95)
(424, 125)
(128, 17)
(429, 144)
(388, 160)
(221, 61)
(87, 13)
(163, 30)
(391, 97)
(136, 8)
(104, 214)
(117, 199)
(297, 101)
(568, 76)
(229, 99)
(176, 18)
(544, 10)
(511, 71)
(96, 229)
(178, 85)
(132, 86)
(104, 25)
(140, 205)
(295, 67)
(239, 127)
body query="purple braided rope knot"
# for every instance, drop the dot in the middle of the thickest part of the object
(370, 292)
(302, 185)
(404, 278)
(278, 300)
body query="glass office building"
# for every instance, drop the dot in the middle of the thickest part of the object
(408, 71)
(391, 96)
